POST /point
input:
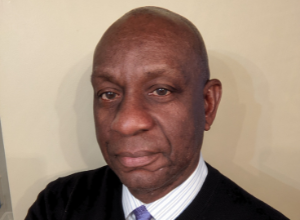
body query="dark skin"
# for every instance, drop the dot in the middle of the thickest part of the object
(151, 105)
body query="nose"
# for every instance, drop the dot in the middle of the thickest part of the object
(132, 118)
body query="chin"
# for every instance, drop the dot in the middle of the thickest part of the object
(144, 180)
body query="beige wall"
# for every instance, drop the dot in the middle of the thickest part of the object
(46, 97)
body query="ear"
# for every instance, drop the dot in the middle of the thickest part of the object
(212, 95)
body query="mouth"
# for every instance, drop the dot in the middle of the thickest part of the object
(138, 159)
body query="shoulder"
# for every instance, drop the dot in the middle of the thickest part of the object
(83, 180)
(234, 200)
(221, 198)
(70, 191)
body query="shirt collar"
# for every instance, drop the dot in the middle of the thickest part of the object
(172, 204)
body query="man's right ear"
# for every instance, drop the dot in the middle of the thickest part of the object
(212, 96)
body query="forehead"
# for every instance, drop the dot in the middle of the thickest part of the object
(143, 44)
(136, 50)
(149, 55)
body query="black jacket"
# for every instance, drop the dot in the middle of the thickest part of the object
(97, 195)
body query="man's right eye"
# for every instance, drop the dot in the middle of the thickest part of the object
(108, 96)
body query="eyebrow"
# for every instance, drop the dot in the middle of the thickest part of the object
(149, 74)
(104, 75)
(171, 72)
(155, 73)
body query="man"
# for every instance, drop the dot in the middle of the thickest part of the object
(152, 102)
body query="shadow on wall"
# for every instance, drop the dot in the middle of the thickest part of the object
(76, 131)
(245, 115)
(79, 140)
(30, 167)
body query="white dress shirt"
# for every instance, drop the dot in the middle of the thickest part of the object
(171, 205)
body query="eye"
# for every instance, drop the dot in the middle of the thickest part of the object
(108, 96)
(161, 92)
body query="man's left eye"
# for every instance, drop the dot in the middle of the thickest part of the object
(161, 92)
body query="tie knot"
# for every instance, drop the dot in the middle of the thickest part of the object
(141, 213)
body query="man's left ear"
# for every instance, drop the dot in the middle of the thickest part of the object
(212, 95)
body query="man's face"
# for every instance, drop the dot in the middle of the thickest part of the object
(148, 109)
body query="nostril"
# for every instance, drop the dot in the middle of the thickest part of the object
(132, 122)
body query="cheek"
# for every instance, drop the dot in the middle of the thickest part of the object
(102, 127)
(183, 125)
(179, 125)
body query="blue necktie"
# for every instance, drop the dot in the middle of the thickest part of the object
(141, 213)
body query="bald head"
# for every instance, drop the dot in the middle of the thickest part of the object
(161, 25)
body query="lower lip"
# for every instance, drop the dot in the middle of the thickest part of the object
(137, 161)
